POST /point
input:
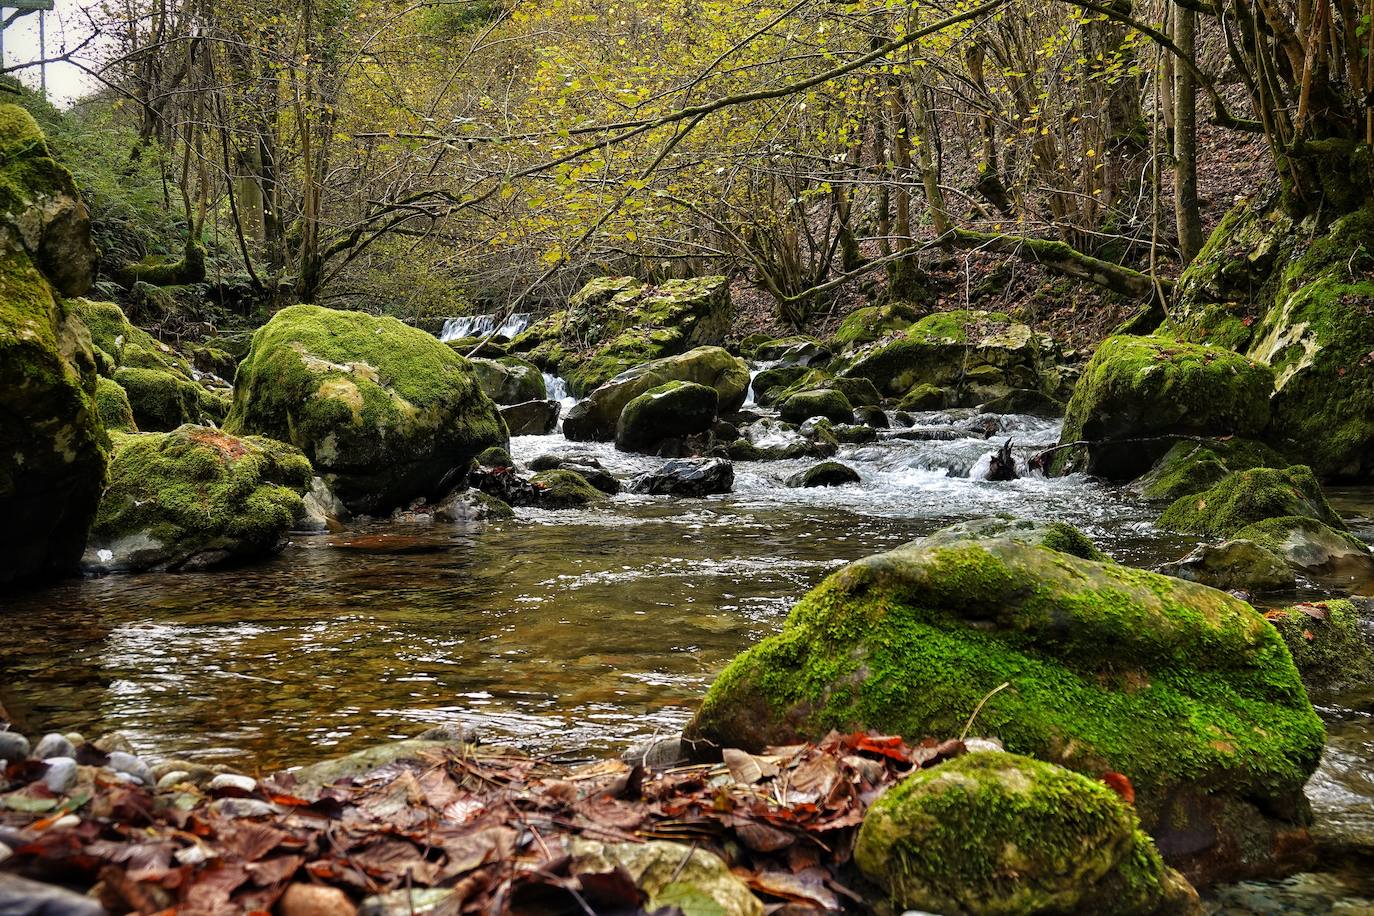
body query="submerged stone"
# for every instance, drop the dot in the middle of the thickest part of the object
(1186, 690)
(997, 833)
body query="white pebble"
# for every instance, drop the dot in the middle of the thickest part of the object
(233, 781)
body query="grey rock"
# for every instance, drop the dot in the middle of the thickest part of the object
(61, 774)
(22, 897)
(171, 779)
(132, 765)
(13, 747)
(234, 782)
(54, 745)
(687, 477)
(825, 474)
(243, 807)
(412, 902)
(114, 741)
(531, 418)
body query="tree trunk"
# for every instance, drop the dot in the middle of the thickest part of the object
(1186, 212)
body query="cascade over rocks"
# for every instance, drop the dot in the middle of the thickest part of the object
(615, 323)
(950, 839)
(195, 498)
(384, 411)
(53, 447)
(596, 418)
(1137, 393)
(1184, 689)
(1298, 296)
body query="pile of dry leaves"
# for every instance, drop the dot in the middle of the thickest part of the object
(495, 830)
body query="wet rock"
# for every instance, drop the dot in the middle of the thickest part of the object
(825, 474)
(854, 434)
(132, 765)
(22, 897)
(1203, 710)
(658, 754)
(61, 774)
(671, 411)
(924, 397)
(472, 506)
(198, 774)
(1029, 401)
(509, 380)
(168, 781)
(233, 782)
(564, 489)
(1239, 564)
(532, 418)
(670, 875)
(1330, 642)
(13, 746)
(1314, 547)
(54, 745)
(597, 417)
(825, 402)
(1059, 536)
(687, 477)
(770, 383)
(903, 419)
(872, 416)
(321, 510)
(383, 411)
(114, 741)
(944, 839)
(314, 900)
(495, 457)
(1138, 392)
(797, 350)
(1192, 467)
(1246, 497)
(195, 498)
(586, 465)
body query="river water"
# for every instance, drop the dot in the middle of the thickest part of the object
(573, 633)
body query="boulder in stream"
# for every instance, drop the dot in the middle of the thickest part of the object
(531, 418)
(384, 411)
(509, 380)
(825, 474)
(1097, 667)
(194, 498)
(674, 410)
(1245, 497)
(820, 402)
(564, 489)
(1331, 641)
(687, 477)
(1238, 564)
(998, 833)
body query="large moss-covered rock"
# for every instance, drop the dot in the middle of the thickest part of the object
(565, 489)
(1329, 643)
(1314, 546)
(40, 207)
(1184, 689)
(671, 411)
(161, 400)
(770, 384)
(1297, 296)
(972, 356)
(193, 498)
(508, 380)
(873, 322)
(1191, 466)
(53, 448)
(1137, 392)
(615, 323)
(384, 411)
(996, 833)
(824, 402)
(597, 416)
(112, 406)
(127, 345)
(1245, 497)
(1060, 536)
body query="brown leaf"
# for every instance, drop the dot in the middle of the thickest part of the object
(807, 887)
(761, 837)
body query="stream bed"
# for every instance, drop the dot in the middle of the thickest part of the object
(571, 633)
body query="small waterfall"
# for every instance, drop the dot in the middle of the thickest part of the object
(483, 325)
(750, 399)
(557, 389)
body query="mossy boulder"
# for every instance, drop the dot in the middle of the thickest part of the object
(384, 411)
(925, 397)
(126, 344)
(1314, 546)
(1191, 466)
(1297, 296)
(873, 322)
(1136, 393)
(1245, 497)
(1239, 563)
(671, 411)
(1329, 642)
(194, 498)
(112, 406)
(825, 474)
(509, 380)
(615, 323)
(53, 447)
(1060, 536)
(860, 392)
(1184, 689)
(771, 384)
(40, 207)
(820, 402)
(531, 418)
(795, 350)
(161, 400)
(565, 489)
(974, 356)
(997, 833)
(597, 417)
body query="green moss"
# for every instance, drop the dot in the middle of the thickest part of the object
(1065, 538)
(1148, 388)
(384, 410)
(162, 401)
(872, 323)
(562, 489)
(128, 345)
(112, 405)
(1245, 497)
(823, 402)
(1191, 466)
(1327, 643)
(671, 411)
(202, 493)
(924, 397)
(1000, 833)
(598, 416)
(156, 270)
(770, 384)
(495, 457)
(1176, 685)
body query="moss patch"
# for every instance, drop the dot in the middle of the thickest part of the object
(1242, 498)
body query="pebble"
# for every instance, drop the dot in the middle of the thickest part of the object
(54, 745)
(246, 784)
(315, 900)
(14, 747)
(5, 852)
(131, 765)
(61, 774)
(76, 738)
(112, 742)
(242, 807)
(65, 822)
(172, 778)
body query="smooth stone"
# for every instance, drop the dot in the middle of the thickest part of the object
(14, 747)
(114, 741)
(243, 807)
(171, 779)
(54, 745)
(413, 902)
(825, 474)
(22, 897)
(76, 738)
(61, 774)
(131, 765)
(233, 781)
(315, 900)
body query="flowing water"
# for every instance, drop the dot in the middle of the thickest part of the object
(482, 325)
(573, 633)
